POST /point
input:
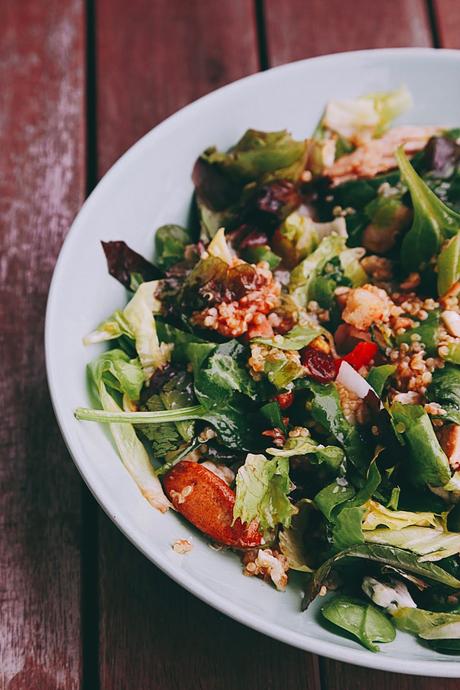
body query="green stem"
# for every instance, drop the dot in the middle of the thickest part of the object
(178, 415)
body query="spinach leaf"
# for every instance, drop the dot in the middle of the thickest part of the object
(223, 374)
(433, 221)
(272, 412)
(170, 243)
(361, 619)
(332, 496)
(378, 376)
(325, 409)
(426, 461)
(385, 555)
(347, 529)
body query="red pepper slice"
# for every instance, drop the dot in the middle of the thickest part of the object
(361, 355)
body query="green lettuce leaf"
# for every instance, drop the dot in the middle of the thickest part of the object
(371, 114)
(138, 323)
(262, 490)
(378, 376)
(293, 542)
(170, 243)
(259, 156)
(333, 456)
(118, 372)
(302, 276)
(377, 515)
(130, 448)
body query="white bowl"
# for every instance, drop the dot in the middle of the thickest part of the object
(150, 185)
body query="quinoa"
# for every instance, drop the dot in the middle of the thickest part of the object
(268, 564)
(248, 314)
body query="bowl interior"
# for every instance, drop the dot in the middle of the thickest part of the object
(150, 185)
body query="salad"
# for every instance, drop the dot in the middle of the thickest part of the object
(286, 372)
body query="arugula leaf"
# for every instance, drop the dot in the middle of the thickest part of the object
(449, 265)
(130, 448)
(378, 376)
(262, 489)
(433, 221)
(272, 412)
(170, 243)
(428, 331)
(426, 461)
(386, 555)
(296, 339)
(124, 263)
(361, 619)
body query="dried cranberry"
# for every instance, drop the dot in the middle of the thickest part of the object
(241, 279)
(277, 199)
(285, 400)
(256, 238)
(320, 365)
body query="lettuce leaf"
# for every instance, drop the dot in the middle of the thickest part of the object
(138, 323)
(293, 543)
(117, 371)
(262, 489)
(428, 543)
(130, 448)
(367, 115)
(377, 515)
(170, 243)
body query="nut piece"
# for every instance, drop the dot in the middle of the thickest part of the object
(449, 438)
(452, 322)
(182, 546)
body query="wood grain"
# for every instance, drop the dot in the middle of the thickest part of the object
(447, 16)
(181, 51)
(152, 632)
(297, 29)
(41, 188)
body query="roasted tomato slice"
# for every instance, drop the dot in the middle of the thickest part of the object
(207, 502)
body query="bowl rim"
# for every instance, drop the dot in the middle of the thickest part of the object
(337, 651)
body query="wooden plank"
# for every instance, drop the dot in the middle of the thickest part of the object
(447, 17)
(299, 29)
(153, 633)
(41, 187)
(181, 51)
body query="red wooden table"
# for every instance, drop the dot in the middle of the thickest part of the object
(81, 80)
